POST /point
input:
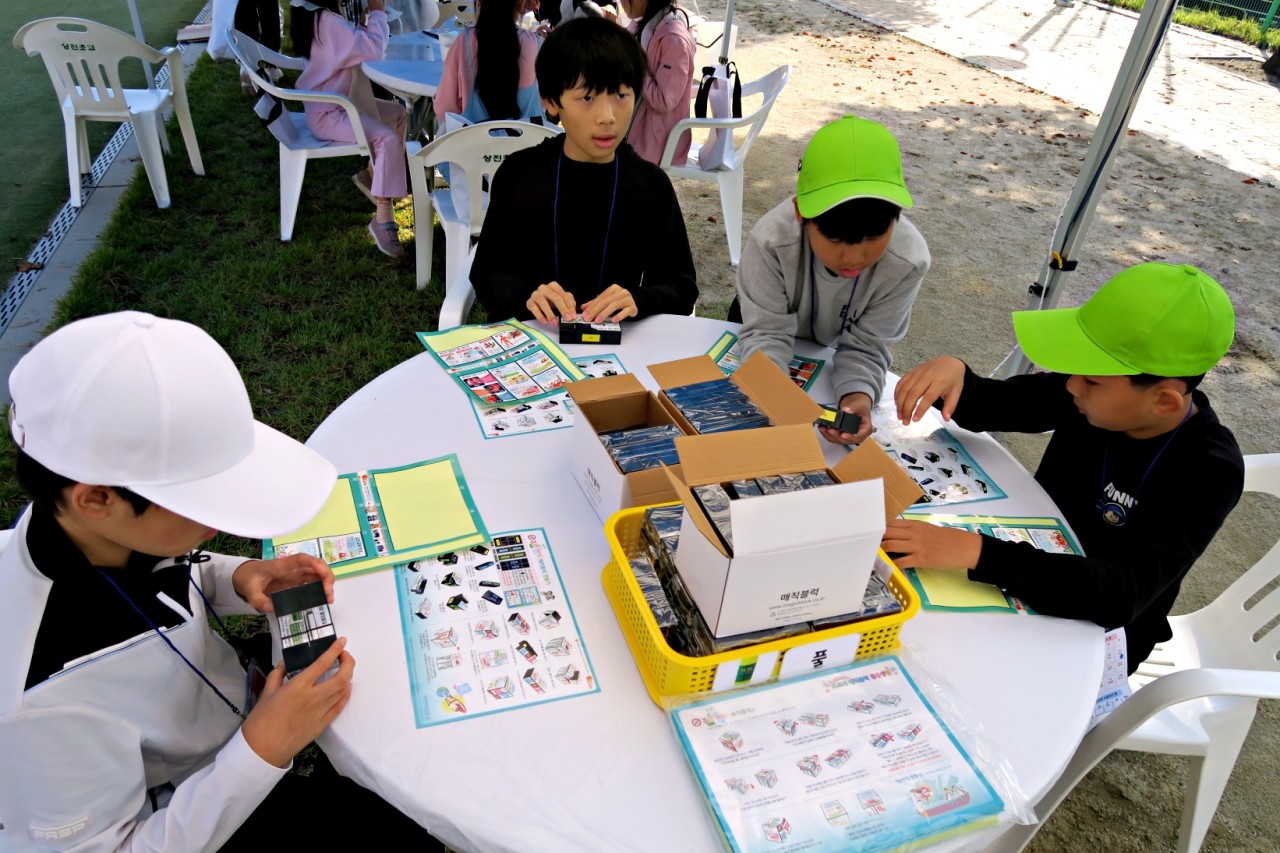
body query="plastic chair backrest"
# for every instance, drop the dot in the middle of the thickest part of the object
(479, 150)
(768, 87)
(707, 36)
(83, 59)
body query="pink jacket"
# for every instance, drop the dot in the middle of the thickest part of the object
(338, 47)
(458, 79)
(670, 49)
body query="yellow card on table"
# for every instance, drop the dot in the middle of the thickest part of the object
(947, 588)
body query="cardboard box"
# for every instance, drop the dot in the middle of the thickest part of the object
(798, 556)
(760, 379)
(604, 405)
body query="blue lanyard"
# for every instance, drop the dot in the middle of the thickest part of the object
(193, 557)
(555, 223)
(1117, 508)
(813, 294)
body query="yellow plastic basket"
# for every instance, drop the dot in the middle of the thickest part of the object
(668, 673)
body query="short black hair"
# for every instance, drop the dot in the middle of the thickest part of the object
(857, 219)
(1146, 380)
(45, 487)
(594, 53)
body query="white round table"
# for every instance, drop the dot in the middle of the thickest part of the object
(604, 771)
(411, 68)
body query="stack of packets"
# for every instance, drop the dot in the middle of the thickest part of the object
(715, 499)
(677, 615)
(716, 406)
(642, 447)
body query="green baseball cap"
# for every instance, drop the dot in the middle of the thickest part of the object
(850, 158)
(1153, 318)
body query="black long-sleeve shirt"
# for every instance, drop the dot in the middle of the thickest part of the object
(542, 204)
(1132, 573)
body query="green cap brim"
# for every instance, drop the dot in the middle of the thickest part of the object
(1053, 339)
(819, 201)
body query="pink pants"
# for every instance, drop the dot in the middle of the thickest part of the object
(386, 140)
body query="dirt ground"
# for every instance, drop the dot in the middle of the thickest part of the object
(990, 164)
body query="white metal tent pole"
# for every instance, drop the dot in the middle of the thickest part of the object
(138, 34)
(728, 30)
(1078, 212)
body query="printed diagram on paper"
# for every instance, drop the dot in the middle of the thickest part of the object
(554, 412)
(727, 354)
(489, 629)
(933, 457)
(502, 362)
(942, 589)
(847, 759)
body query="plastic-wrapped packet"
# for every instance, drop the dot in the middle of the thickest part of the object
(715, 502)
(653, 593)
(646, 447)
(817, 479)
(778, 484)
(877, 601)
(745, 489)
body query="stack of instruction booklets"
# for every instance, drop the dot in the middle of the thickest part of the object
(854, 758)
(377, 518)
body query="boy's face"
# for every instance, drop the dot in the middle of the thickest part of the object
(158, 531)
(594, 122)
(1114, 403)
(847, 260)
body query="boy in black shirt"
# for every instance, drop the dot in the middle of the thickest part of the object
(580, 222)
(1138, 464)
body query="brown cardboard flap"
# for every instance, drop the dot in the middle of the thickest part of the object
(676, 478)
(604, 388)
(868, 461)
(652, 486)
(685, 371)
(739, 454)
(773, 391)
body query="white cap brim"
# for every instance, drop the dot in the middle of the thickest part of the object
(278, 487)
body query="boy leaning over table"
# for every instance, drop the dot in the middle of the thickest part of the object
(124, 720)
(837, 264)
(1138, 463)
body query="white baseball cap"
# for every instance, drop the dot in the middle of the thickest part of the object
(158, 407)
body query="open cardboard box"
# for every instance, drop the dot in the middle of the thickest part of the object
(760, 379)
(604, 405)
(798, 556)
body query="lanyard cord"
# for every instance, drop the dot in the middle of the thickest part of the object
(1106, 455)
(813, 308)
(195, 557)
(555, 222)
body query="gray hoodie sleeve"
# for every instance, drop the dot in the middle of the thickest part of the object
(767, 284)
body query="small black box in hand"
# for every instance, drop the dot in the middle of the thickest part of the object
(575, 330)
(306, 626)
(839, 419)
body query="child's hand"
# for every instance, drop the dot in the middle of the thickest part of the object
(940, 378)
(614, 304)
(549, 300)
(289, 715)
(917, 543)
(255, 580)
(859, 404)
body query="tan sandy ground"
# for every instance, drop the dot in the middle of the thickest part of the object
(990, 164)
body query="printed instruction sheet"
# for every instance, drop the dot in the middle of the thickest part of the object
(489, 629)
(847, 759)
(727, 354)
(502, 363)
(555, 412)
(933, 457)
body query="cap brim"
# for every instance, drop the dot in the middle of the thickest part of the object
(819, 201)
(278, 487)
(1053, 339)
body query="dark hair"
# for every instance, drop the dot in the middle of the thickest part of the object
(657, 8)
(304, 24)
(594, 53)
(45, 487)
(1146, 380)
(498, 58)
(857, 219)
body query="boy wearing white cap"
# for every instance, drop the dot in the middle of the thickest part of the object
(838, 264)
(1138, 464)
(135, 440)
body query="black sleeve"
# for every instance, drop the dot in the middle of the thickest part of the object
(1035, 402)
(502, 283)
(1112, 589)
(669, 285)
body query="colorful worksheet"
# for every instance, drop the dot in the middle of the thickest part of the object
(489, 629)
(933, 457)
(727, 354)
(377, 518)
(554, 412)
(854, 758)
(942, 589)
(502, 363)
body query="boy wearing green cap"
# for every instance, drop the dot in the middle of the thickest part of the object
(837, 264)
(1138, 464)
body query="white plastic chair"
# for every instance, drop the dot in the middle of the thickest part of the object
(730, 177)
(706, 37)
(83, 59)
(474, 153)
(1228, 643)
(297, 143)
